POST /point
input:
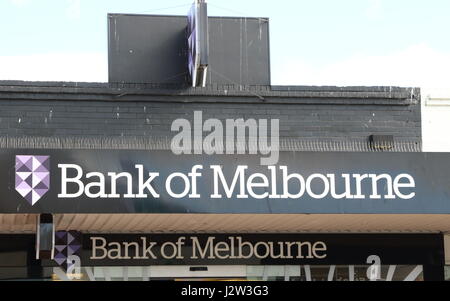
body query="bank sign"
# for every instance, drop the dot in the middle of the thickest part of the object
(246, 249)
(122, 181)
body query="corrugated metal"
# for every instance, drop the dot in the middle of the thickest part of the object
(164, 143)
(17, 223)
(229, 223)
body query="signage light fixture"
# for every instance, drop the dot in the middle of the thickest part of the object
(197, 35)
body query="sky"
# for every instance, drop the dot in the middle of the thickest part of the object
(320, 42)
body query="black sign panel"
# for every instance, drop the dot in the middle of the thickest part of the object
(107, 181)
(259, 249)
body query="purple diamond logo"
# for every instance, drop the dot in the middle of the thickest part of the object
(67, 243)
(32, 177)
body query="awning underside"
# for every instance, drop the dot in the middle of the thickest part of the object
(231, 223)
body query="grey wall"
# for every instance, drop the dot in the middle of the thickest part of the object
(301, 119)
(90, 118)
(153, 49)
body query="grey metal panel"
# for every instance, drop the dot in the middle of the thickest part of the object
(117, 124)
(153, 49)
(147, 49)
(203, 33)
(239, 51)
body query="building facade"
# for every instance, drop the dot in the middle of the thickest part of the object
(100, 183)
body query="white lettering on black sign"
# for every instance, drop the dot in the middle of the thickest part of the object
(242, 184)
(233, 248)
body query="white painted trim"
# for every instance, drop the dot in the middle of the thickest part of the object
(447, 249)
(265, 274)
(308, 272)
(331, 272)
(414, 274)
(90, 274)
(106, 274)
(146, 272)
(437, 102)
(391, 271)
(61, 274)
(290, 271)
(125, 273)
(351, 273)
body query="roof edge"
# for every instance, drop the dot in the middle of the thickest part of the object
(102, 91)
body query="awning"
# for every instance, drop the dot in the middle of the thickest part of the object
(232, 223)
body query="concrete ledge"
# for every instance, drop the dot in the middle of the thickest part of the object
(212, 94)
(163, 143)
